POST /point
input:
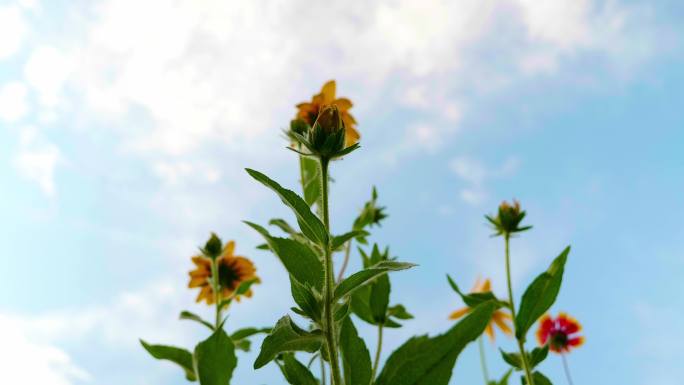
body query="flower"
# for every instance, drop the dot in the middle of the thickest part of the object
(327, 136)
(500, 318)
(308, 111)
(232, 271)
(560, 333)
(508, 219)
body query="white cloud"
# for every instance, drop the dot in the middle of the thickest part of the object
(13, 30)
(25, 360)
(47, 70)
(37, 159)
(13, 101)
(475, 174)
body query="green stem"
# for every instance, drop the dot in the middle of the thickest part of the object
(378, 351)
(217, 292)
(329, 283)
(483, 361)
(320, 358)
(340, 275)
(521, 347)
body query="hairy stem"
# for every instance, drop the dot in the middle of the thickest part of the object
(483, 361)
(378, 351)
(340, 275)
(521, 347)
(329, 283)
(217, 291)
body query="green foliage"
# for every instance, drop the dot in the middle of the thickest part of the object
(299, 260)
(539, 379)
(215, 360)
(366, 276)
(540, 295)
(309, 223)
(295, 372)
(503, 380)
(186, 315)
(308, 299)
(287, 337)
(356, 360)
(340, 240)
(429, 361)
(474, 299)
(176, 355)
(310, 179)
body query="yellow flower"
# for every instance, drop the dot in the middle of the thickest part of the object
(500, 318)
(308, 111)
(232, 271)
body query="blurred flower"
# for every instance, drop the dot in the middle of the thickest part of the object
(308, 111)
(232, 271)
(508, 219)
(500, 318)
(559, 333)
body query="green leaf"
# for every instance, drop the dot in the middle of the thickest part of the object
(538, 355)
(340, 240)
(287, 337)
(379, 298)
(360, 305)
(473, 299)
(176, 355)
(186, 315)
(248, 332)
(342, 310)
(310, 179)
(295, 372)
(365, 276)
(283, 225)
(356, 360)
(309, 301)
(399, 311)
(539, 379)
(540, 295)
(215, 359)
(309, 223)
(430, 361)
(299, 260)
(244, 345)
(512, 359)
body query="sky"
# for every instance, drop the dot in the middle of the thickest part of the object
(125, 127)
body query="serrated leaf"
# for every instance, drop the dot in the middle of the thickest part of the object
(295, 372)
(299, 260)
(287, 337)
(186, 315)
(215, 359)
(308, 301)
(540, 295)
(179, 356)
(356, 361)
(366, 276)
(309, 223)
(430, 361)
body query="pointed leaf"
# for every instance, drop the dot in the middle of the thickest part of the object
(215, 359)
(287, 337)
(309, 223)
(186, 315)
(340, 240)
(179, 356)
(540, 295)
(295, 372)
(366, 276)
(356, 360)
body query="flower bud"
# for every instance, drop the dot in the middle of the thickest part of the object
(327, 134)
(507, 220)
(213, 247)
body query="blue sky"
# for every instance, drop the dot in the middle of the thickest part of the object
(125, 128)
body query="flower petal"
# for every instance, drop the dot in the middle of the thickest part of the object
(328, 92)
(459, 313)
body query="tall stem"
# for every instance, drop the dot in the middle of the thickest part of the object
(378, 351)
(567, 369)
(329, 283)
(217, 291)
(340, 275)
(521, 347)
(483, 361)
(322, 370)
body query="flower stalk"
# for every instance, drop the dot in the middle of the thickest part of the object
(329, 282)
(483, 361)
(378, 352)
(217, 291)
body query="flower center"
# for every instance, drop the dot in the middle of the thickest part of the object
(228, 276)
(559, 340)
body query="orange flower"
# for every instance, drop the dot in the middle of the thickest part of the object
(308, 111)
(559, 333)
(500, 318)
(232, 271)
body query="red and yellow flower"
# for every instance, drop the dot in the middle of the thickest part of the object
(560, 333)
(500, 318)
(308, 111)
(233, 270)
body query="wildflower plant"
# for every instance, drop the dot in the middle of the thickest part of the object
(330, 301)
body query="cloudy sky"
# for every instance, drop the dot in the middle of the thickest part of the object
(125, 127)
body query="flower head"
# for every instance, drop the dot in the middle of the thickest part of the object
(309, 111)
(508, 218)
(232, 271)
(560, 333)
(500, 318)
